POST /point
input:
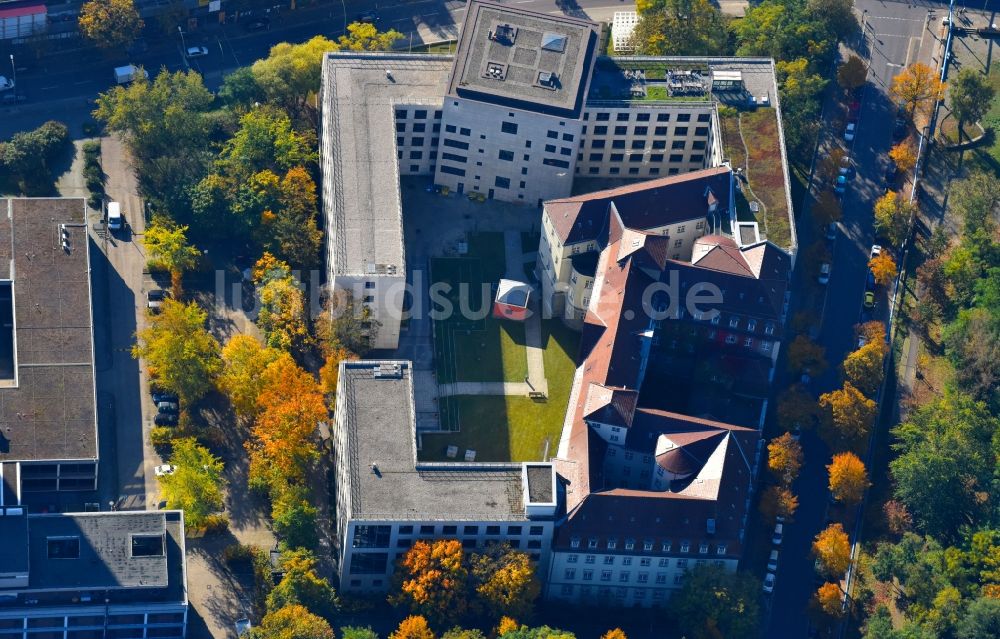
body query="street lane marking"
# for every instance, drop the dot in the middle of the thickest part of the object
(910, 50)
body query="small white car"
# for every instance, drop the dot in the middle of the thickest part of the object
(769, 583)
(776, 537)
(6, 83)
(824, 273)
(876, 250)
(197, 52)
(163, 470)
(772, 562)
(850, 131)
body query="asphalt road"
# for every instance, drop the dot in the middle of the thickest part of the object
(894, 33)
(62, 85)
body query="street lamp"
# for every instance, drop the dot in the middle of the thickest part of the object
(13, 73)
(183, 46)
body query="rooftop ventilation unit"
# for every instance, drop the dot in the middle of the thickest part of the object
(548, 80)
(495, 71)
(554, 42)
(504, 34)
(389, 371)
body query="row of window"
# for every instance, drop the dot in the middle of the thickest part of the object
(639, 157)
(601, 143)
(630, 544)
(471, 530)
(418, 114)
(701, 131)
(418, 127)
(605, 593)
(624, 576)
(626, 116)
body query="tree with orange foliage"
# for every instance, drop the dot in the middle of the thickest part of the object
(806, 356)
(883, 268)
(507, 624)
(917, 88)
(848, 478)
(282, 442)
(833, 549)
(829, 599)
(431, 580)
(778, 501)
(851, 415)
(413, 627)
(873, 331)
(904, 155)
(784, 458)
(615, 633)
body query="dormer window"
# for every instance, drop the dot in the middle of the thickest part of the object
(665, 547)
(698, 315)
(751, 325)
(734, 322)
(647, 545)
(630, 544)
(715, 320)
(720, 549)
(592, 542)
(703, 548)
(574, 542)
(685, 546)
(769, 329)
(612, 544)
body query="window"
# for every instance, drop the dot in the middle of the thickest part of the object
(664, 563)
(626, 561)
(368, 299)
(404, 543)
(659, 145)
(417, 142)
(401, 127)
(765, 346)
(683, 117)
(645, 561)
(570, 573)
(592, 542)
(449, 530)
(522, 184)
(400, 141)
(501, 182)
(589, 559)
(588, 575)
(369, 285)
(621, 130)
(647, 545)
(678, 580)
(612, 544)
(567, 590)
(371, 536)
(703, 548)
(604, 116)
(638, 144)
(734, 322)
(609, 560)
(769, 329)
(622, 116)
(450, 128)
(661, 578)
(427, 530)
(663, 117)
(565, 151)
(594, 170)
(369, 563)
(400, 114)
(685, 547)
(419, 127)
(678, 243)
(597, 144)
(596, 157)
(655, 157)
(674, 157)
(601, 130)
(677, 144)
(614, 170)
(698, 145)
(509, 127)
(643, 577)
(573, 542)
(416, 155)
(617, 157)
(67, 547)
(699, 226)
(536, 530)
(464, 131)
(635, 157)
(552, 134)
(618, 144)
(720, 549)
(730, 339)
(715, 319)
(436, 128)
(624, 576)
(454, 157)
(748, 342)
(567, 137)
(550, 148)
(562, 164)
(470, 530)
(450, 170)
(456, 144)
(630, 544)
(751, 325)
(701, 131)
(697, 158)
(506, 156)
(605, 575)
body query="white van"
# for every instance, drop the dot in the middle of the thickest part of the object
(115, 219)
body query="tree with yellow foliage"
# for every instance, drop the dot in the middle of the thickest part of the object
(917, 88)
(806, 356)
(784, 458)
(883, 268)
(110, 24)
(851, 415)
(873, 331)
(863, 367)
(330, 372)
(292, 622)
(504, 581)
(904, 155)
(282, 442)
(431, 580)
(244, 360)
(778, 501)
(282, 316)
(829, 599)
(413, 627)
(848, 478)
(167, 246)
(507, 624)
(833, 549)
(892, 216)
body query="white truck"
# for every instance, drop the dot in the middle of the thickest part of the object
(128, 73)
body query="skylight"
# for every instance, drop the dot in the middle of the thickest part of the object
(554, 42)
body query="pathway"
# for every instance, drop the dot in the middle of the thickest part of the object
(483, 388)
(533, 346)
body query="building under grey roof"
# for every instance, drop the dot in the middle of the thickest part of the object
(376, 401)
(524, 59)
(47, 396)
(360, 168)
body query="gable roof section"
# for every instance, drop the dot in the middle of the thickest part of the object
(610, 405)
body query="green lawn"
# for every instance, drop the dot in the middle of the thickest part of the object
(512, 428)
(470, 347)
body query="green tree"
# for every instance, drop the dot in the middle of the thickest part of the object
(355, 632)
(504, 581)
(110, 24)
(972, 343)
(196, 485)
(462, 633)
(240, 90)
(806, 356)
(969, 97)
(716, 603)
(945, 464)
(28, 156)
(292, 233)
(800, 87)
(346, 325)
(180, 353)
(680, 27)
(294, 518)
(981, 619)
(168, 248)
(292, 622)
(302, 585)
(266, 140)
(975, 199)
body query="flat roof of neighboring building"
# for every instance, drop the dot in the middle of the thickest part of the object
(361, 173)
(126, 556)
(524, 59)
(387, 482)
(47, 396)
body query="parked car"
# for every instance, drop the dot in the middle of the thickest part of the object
(5, 83)
(163, 470)
(824, 273)
(769, 583)
(876, 250)
(854, 108)
(366, 17)
(831, 231)
(772, 562)
(162, 396)
(197, 52)
(165, 419)
(847, 168)
(870, 281)
(257, 24)
(862, 340)
(899, 130)
(841, 185)
(852, 128)
(154, 299)
(168, 407)
(869, 300)
(890, 173)
(776, 537)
